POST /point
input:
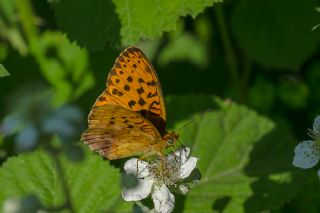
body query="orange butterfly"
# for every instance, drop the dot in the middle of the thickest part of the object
(129, 117)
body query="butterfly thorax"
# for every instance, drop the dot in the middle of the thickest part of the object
(170, 137)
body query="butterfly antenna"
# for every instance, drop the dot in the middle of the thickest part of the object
(181, 143)
(194, 117)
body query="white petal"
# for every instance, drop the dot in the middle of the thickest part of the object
(182, 154)
(139, 192)
(307, 154)
(184, 188)
(143, 188)
(131, 167)
(188, 167)
(163, 200)
(316, 125)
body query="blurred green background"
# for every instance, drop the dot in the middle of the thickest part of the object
(260, 55)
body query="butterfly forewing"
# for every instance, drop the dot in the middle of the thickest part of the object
(133, 84)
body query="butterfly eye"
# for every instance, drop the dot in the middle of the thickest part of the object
(170, 141)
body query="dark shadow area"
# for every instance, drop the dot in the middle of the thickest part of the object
(179, 204)
(221, 203)
(277, 179)
(180, 107)
(99, 30)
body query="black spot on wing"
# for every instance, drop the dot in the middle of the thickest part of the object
(129, 79)
(151, 83)
(141, 102)
(150, 95)
(131, 103)
(153, 104)
(126, 88)
(140, 80)
(114, 92)
(140, 90)
(101, 98)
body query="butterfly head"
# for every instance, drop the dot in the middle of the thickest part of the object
(171, 138)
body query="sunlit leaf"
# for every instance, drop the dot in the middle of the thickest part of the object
(245, 161)
(146, 19)
(64, 65)
(3, 71)
(94, 184)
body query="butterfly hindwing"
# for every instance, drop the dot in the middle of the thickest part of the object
(133, 84)
(116, 132)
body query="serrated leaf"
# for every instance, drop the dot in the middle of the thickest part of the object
(94, 184)
(3, 71)
(91, 23)
(245, 161)
(276, 33)
(64, 65)
(147, 19)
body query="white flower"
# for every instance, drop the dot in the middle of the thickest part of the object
(158, 177)
(307, 153)
(315, 132)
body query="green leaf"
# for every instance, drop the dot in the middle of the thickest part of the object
(10, 29)
(178, 49)
(65, 65)
(3, 71)
(258, 101)
(147, 19)
(94, 184)
(91, 23)
(245, 161)
(293, 93)
(276, 33)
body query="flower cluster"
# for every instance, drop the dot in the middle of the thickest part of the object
(307, 153)
(159, 177)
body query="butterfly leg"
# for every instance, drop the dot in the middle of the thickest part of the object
(148, 154)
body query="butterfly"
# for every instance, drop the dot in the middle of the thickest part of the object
(129, 117)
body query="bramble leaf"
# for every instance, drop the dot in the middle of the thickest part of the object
(94, 184)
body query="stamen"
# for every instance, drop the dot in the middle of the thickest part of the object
(165, 171)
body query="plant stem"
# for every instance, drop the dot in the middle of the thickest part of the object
(59, 169)
(231, 59)
(245, 79)
(54, 153)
